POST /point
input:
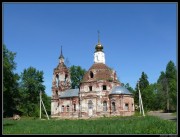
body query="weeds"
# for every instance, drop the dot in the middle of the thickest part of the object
(106, 125)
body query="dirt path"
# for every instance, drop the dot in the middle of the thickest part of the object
(161, 114)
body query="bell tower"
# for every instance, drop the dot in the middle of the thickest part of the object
(99, 56)
(61, 78)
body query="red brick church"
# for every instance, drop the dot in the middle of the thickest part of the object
(100, 92)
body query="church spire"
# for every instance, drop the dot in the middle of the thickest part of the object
(61, 57)
(99, 47)
(98, 37)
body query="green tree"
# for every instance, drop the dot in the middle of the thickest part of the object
(143, 84)
(167, 85)
(149, 100)
(171, 76)
(31, 84)
(129, 87)
(77, 74)
(10, 83)
(171, 70)
(161, 92)
(143, 81)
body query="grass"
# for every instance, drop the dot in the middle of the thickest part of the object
(105, 125)
(174, 114)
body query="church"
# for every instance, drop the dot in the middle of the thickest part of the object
(100, 92)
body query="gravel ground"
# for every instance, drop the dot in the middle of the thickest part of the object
(161, 114)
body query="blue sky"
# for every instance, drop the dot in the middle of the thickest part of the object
(136, 36)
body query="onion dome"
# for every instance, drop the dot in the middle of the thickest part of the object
(99, 47)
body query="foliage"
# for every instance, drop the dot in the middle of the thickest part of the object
(47, 102)
(30, 87)
(104, 125)
(161, 92)
(129, 87)
(77, 74)
(10, 83)
(167, 87)
(149, 100)
(148, 93)
(155, 96)
(143, 83)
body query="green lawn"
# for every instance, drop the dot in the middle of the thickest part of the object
(113, 125)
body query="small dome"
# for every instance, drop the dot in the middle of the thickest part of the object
(120, 90)
(99, 47)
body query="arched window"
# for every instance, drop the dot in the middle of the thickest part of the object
(91, 74)
(57, 80)
(67, 108)
(113, 106)
(56, 93)
(66, 75)
(90, 104)
(74, 107)
(126, 106)
(62, 108)
(90, 88)
(105, 106)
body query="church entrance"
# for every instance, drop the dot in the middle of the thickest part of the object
(90, 108)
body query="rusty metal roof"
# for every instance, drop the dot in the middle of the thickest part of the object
(102, 72)
(120, 90)
(69, 93)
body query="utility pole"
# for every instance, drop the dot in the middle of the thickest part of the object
(45, 110)
(43, 106)
(40, 105)
(140, 101)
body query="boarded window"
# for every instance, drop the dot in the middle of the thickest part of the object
(126, 107)
(74, 108)
(105, 106)
(67, 108)
(90, 104)
(113, 106)
(62, 108)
